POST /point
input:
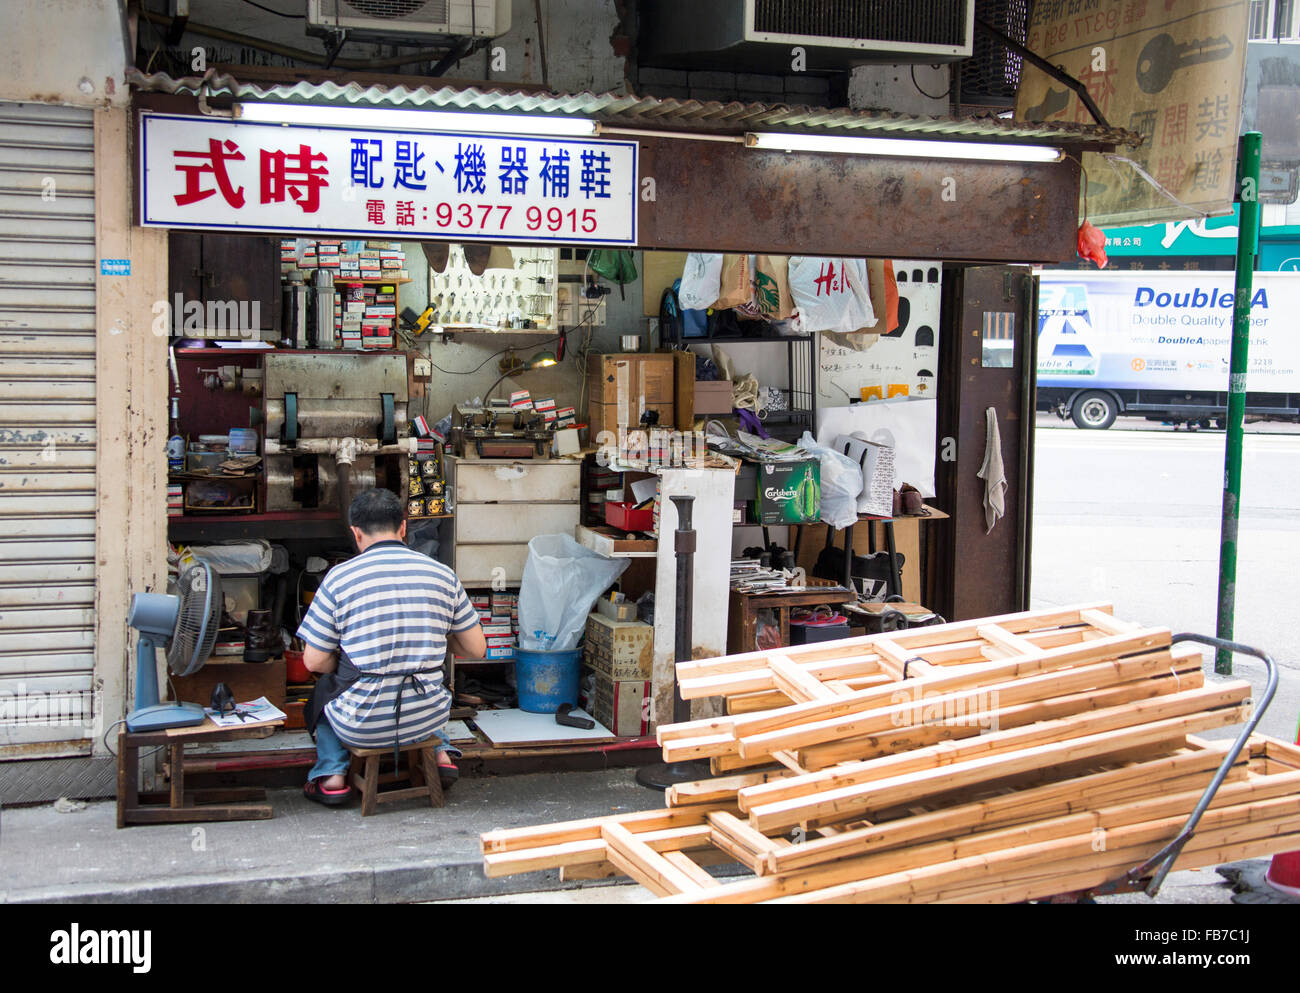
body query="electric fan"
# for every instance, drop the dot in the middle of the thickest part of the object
(185, 626)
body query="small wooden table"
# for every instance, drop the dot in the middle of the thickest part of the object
(743, 617)
(179, 805)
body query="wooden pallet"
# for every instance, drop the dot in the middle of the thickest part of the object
(988, 772)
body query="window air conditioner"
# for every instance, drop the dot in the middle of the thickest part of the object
(410, 18)
(758, 35)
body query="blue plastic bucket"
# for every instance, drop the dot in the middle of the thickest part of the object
(545, 680)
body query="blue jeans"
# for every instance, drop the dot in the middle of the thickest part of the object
(333, 758)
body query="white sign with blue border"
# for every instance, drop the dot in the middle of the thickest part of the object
(254, 176)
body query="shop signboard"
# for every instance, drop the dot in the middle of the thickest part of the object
(1164, 331)
(1172, 73)
(226, 174)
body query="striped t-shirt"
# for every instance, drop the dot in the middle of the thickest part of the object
(389, 610)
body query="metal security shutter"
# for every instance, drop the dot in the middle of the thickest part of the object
(47, 424)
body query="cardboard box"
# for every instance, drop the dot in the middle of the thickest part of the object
(713, 397)
(610, 416)
(641, 378)
(622, 705)
(247, 681)
(620, 649)
(788, 492)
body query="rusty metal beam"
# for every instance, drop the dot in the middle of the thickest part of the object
(729, 198)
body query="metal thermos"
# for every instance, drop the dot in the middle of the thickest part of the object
(295, 311)
(323, 292)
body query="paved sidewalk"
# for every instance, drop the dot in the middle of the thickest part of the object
(404, 854)
(305, 853)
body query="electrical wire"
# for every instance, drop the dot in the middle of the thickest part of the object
(109, 748)
(277, 13)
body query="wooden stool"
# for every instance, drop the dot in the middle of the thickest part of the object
(421, 773)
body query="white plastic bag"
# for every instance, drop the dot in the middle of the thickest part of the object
(561, 582)
(831, 294)
(841, 483)
(701, 281)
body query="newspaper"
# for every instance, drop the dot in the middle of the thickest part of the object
(259, 711)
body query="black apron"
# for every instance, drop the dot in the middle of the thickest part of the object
(332, 685)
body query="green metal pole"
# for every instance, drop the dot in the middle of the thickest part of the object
(1247, 246)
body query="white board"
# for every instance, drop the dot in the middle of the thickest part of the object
(910, 359)
(518, 727)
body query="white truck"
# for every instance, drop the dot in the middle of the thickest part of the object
(1156, 344)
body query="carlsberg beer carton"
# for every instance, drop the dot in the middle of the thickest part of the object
(788, 492)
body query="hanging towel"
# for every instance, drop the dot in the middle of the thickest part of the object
(993, 474)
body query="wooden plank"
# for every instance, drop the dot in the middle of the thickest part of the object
(915, 706)
(719, 790)
(682, 861)
(843, 880)
(1055, 797)
(860, 798)
(515, 839)
(795, 682)
(643, 863)
(712, 744)
(1174, 705)
(1053, 708)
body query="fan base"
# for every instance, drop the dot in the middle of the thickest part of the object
(165, 715)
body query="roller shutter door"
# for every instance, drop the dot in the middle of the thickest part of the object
(47, 424)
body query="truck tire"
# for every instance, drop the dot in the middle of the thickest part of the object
(1094, 410)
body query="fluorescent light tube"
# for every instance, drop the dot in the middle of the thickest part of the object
(906, 147)
(414, 120)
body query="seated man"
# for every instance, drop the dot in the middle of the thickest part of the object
(378, 628)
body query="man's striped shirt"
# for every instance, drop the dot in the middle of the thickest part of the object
(389, 609)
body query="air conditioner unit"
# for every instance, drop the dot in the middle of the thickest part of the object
(409, 18)
(759, 35)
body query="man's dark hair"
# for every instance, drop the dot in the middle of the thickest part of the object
(376, 511)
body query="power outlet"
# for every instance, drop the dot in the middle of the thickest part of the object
(422, 369)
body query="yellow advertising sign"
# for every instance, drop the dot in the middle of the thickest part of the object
(1170, 70)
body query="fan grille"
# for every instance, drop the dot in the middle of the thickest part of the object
(436, 9)
(197, 620)
(938, 22)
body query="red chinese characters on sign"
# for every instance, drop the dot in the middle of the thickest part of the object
(217, 155)
(300, 174)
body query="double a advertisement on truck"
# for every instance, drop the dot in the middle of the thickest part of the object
(1157, 344)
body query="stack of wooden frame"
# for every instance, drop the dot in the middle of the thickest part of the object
(1007, 759)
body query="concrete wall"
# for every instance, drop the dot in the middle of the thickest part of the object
(45, 62)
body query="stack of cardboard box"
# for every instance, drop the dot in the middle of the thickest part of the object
(619, 655)
(622, 388)
(498, 613)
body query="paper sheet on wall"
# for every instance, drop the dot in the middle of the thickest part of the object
(902, 363)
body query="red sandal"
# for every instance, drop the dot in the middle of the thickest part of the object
(330, 798)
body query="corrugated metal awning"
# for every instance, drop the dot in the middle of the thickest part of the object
(650, 113)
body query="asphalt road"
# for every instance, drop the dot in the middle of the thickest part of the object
(1132, 515)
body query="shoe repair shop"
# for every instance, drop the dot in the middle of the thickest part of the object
(681, 292)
